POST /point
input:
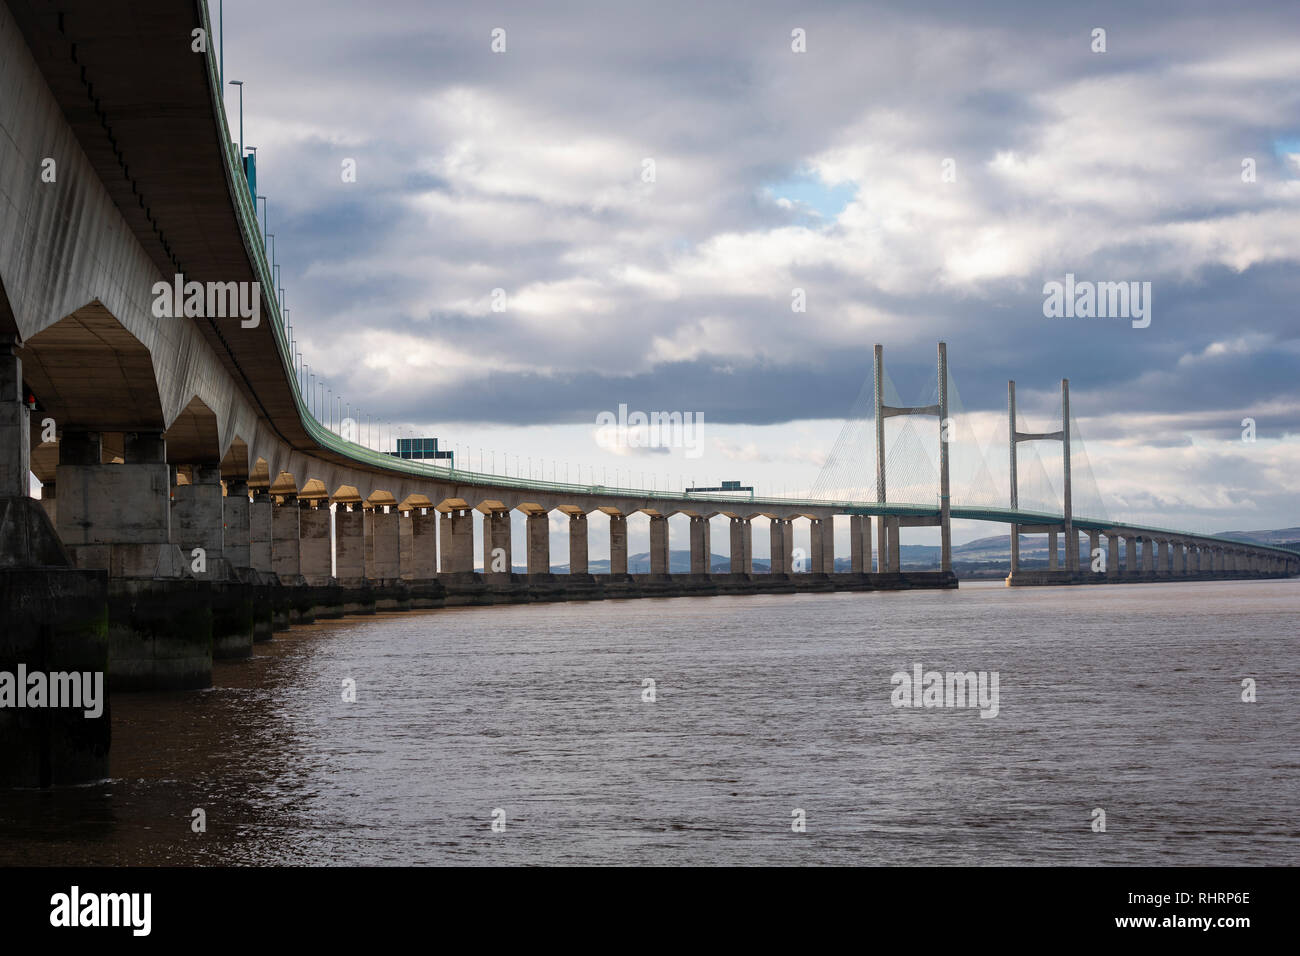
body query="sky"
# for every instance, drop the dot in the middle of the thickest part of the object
(628, 204)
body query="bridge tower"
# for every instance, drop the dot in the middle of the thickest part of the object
(1067, 525)
(884, 411)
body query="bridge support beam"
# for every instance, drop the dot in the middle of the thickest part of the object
(259, 531)
(816, 545)
(577, 543)
(286, 534)
(456, 538)
(539, 543)
(236, 522)
(1094, 543)
(383, 544)
(1131, 567)
(827, 526)
(1112, 556)
(497, 556)
(701, 545)
(315, 543)
(776, 534)
(419, 536)
(198, 521)
(895, 546)
(50, 501)
(658, 544)
(53, 615)
(1162, 557)
(117, 517)
(350, 544)
(421, 562)
(742, 546)
(860, 544)
(618, 545)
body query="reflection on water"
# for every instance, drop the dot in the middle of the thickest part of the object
(1125, 698)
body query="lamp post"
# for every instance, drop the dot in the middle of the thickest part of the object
(240, 84)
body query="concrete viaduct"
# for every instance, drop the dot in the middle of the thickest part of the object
(187, 489)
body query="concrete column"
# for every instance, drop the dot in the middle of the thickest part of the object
(1217, 560)
(1148, 556)
(1178, 559)
(787, 540)
(286, 560)
(456, 541)
(117, 517)
(742, 546)
(539, 544)
(816, 546)
(350, 549)
(419, 558)
(315, 545)
(1112, 556)
(828, 545)
(658, 544)
(259, 531)
(577, 543)
(701, 545)
(618, 544)
(895, 547)
(1162, 557)
(1015, 538)
(383, 544)
(496, 543)
(198, 522)
(882, 545)
(50, 501)
(1053, 552)
(859, 544)
(1094, 542)
(776, 535)
(15, 424)
(235, 518)
(1131, 555)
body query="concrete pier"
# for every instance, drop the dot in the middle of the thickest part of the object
(658, 544)
(577, 543)
(538, 526)
(496, 543)
(742, 546)
(286, 537)
(618, 545)
(456, 540)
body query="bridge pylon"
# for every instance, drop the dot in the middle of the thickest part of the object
(890, 525)
(1067, 525)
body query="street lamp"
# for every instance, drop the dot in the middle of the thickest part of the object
(240, 84)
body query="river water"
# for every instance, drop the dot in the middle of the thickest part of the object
(1125, 699)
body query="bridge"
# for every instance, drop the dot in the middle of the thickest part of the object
(192, 503)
